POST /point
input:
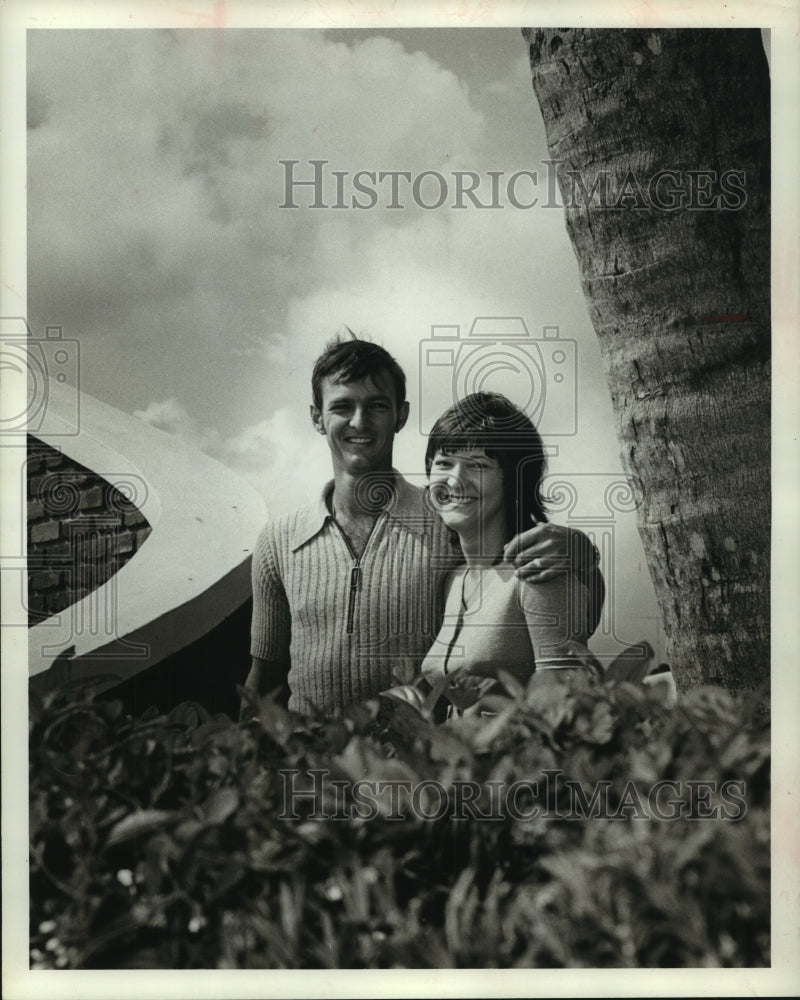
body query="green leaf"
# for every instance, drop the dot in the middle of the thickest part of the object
(211, 728)
(187, 830)
(439, 686)
(632, 665)
(359, 716)
(463, 698)
(407, 694)
(188, 713)
(140, 824)
(494, 726)
(404, 672)
(445, 746)
(511, 684)
(495, 703)
(598, 727)
(114, 710)
(220, 804)
(275, 720)
(710, 707)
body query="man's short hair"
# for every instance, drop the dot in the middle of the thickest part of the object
(353, 360)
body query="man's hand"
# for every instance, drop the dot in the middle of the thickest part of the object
(546, 550)
(264, 676)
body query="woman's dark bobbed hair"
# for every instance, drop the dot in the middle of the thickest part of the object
(491, 422)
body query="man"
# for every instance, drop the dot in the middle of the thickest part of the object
(348, 586)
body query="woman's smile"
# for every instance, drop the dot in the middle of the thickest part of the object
(466, 488)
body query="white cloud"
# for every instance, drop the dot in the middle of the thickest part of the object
(170, 416)
(154, 216)
(282, 458)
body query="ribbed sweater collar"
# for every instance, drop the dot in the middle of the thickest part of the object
(407, 505)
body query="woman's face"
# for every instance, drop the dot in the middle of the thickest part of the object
(466, 489)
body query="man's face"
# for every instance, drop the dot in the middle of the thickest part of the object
(360, 420)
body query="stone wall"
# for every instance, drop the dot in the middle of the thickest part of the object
(81, 530)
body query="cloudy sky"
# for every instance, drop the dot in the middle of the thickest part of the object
(158, 240)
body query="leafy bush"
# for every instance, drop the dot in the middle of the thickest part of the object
(167, 841)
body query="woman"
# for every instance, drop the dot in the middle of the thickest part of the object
(485, 462)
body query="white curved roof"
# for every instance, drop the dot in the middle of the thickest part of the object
(190, 573)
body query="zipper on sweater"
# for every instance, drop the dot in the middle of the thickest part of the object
(355, 573)
(355, 580)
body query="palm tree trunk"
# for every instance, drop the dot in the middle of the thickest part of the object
(675, 268)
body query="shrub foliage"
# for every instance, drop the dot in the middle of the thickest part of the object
(166, 841)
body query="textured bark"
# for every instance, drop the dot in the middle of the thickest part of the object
(680, 302)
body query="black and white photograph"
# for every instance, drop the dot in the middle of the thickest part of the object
(399, 484)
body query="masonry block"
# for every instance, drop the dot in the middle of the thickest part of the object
(37, 605)
(60, 550)
(35, 510)
(142, 534)
(48, 531)
(35, 486)
(57, 602)
(126, 542)
(134, 517)
(91, 498)
(47, 580)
